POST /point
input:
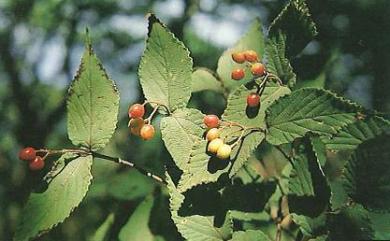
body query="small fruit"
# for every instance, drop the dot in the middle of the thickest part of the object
(211, 121)
(37, 164)
(136, 111)
(253, 100)
(258, 69)
(238, 74)
(147, 132)
(251, 56)
(27, 154)
(224, 151)
(214, 145)
(212, 134)
(136, 125)
(238, 57)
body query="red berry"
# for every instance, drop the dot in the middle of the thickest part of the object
(253, 100)
(238, 57)
(258, 69)
(37, 164)
(27, 154)
(147, 132)
(136, 111)
(251, 56)
(211, 121)
(238, 74)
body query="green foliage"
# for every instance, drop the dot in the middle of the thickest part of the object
(308, 110)
(50, 205)
(93, 104)
(166, 67)
(249, 235)
(253, 40)
(101, 233)
(204, 79)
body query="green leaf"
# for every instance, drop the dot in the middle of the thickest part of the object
(196, 227)
(237, 111)
(310, 226)
(93, 104)
(307, 110)
(352, 223)
(180, 131)
(49, 207)
(277, 61)
(101, 233)
(137, 227)
(165, 68)
(250, 235)
(205, 79)
(367, 174)
(295, 22)
(350, 136)
(252, 40)
(319, 149)
(204, 168)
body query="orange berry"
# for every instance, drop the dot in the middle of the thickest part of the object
(258, 69)
(238, 74)
(251, 56)
(212, 134)
(211, 121)
(136, 125)
(238, 57)
(147, 132)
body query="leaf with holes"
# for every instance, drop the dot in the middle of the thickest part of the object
(92, 105)
(180, 131)
(205, 79)
(165, 68)
(295, 22)
(50, 206)
(308, 110)
(252, 40)
(350, 136)
(196, 227)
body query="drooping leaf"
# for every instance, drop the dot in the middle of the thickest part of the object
(252, 40)
(137, 227)
(307, 110)
(165, 68)
(295, 22)
(277, 61)
(352, 223)
(250, 235)
(237, 110)
(92, 105)
(47, 208)
(204, 79)
(180, 131)
(196, 227)
(205, 168)
(101, 233)
(367, 174)
(350, 136)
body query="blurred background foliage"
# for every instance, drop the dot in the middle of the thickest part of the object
(41, 42)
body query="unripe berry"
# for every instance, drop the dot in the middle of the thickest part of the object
(224, 151)
(136, 125)
(27, 154)
(258, 69)
(251, 56)
(253, 100)
(214, 145)
(136, 111)
(147, 132)
(211, 121)
(238, 74)
(212, 134)
(37, 164)
(238, 57)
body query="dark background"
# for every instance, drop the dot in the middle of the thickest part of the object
(41, 43)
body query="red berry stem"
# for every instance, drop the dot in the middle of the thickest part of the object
(149, 119)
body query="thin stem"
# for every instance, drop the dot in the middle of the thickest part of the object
(130, 164)
(149, 119)
(278, 232)
(276, 78)
(62, 151)
(284, 154)
(158, 104)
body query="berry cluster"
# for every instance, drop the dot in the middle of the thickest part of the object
(139, 126)
(29, 154)
(216, 145)
(250, 56)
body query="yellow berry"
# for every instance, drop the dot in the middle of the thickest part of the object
(224, 151)
(214, 145)
(147, 132)
(212, 134)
